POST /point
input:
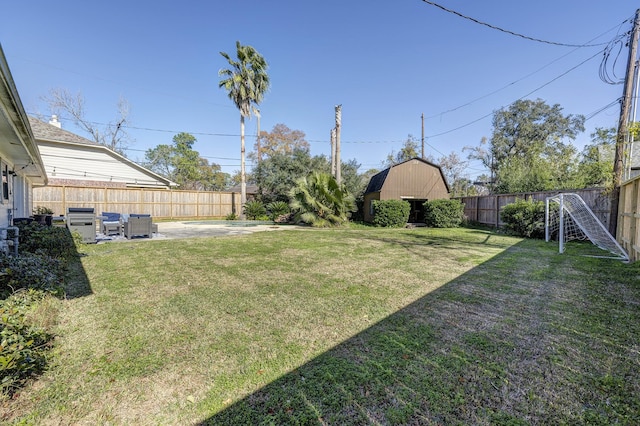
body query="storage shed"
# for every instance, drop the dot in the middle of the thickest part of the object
(415, 180)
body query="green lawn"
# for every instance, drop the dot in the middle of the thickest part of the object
(356, 326)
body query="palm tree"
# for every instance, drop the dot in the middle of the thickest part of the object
(246, 82)
(320, 201)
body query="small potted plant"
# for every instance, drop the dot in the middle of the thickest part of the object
(43, 215)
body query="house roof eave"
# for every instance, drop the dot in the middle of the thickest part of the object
(24, 148)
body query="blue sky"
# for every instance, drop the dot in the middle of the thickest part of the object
(386, 62)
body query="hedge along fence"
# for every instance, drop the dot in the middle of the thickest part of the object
(486, 209)
(628, 232)
(159, 203)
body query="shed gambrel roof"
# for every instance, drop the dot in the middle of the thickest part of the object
(377, 181)
(69, 156)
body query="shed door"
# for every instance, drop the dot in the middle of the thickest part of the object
(416, 214)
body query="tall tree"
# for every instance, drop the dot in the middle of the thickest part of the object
(281, 139)
(278, 173)
(527, 151)
(408, 151)
(246, 81)
(596, 163)
(453, 168)
(112, 134)
(185, 161)
(353, 181)
(182, 164)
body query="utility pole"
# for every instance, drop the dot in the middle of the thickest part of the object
(333, 152)
(338, 126)
(257, 112)
(422, 116)
(623, 125)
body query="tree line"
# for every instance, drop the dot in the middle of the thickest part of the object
(529, 149)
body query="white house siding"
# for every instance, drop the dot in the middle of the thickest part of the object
(22, 197)
(66, 162)
(15, 194)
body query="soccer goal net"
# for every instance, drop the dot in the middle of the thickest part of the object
(567, 217)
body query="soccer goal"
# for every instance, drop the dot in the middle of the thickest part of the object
(567, 217)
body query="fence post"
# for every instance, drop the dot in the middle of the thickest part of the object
(633, 248)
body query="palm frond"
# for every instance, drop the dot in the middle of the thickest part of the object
(320, 201)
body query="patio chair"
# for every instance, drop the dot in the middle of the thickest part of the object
(111, 223)
(138, 225)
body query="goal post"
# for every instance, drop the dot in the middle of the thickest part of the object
(567, 217)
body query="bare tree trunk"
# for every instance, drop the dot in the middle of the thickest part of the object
(257, 113)
(243, 178)
(333, 152)
(338, 129)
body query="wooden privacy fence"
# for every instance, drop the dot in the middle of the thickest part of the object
(159, 203)
(628, 232)
(486, 209)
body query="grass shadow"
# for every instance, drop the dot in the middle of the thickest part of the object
(77, 283)
(526, 337)
(58, 243)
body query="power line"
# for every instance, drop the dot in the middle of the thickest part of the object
(607, 76)
(508, 31)
(368, 142)
(520, 98)
(562, 75)
(617, 37)
(120, 83)
(600, 110)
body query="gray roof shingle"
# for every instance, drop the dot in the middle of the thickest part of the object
(49, 132)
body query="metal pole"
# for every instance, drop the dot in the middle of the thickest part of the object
(561, 235)
(546, 220)
(422, 135)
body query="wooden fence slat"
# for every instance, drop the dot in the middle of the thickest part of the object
(160, 203)
(486, 208)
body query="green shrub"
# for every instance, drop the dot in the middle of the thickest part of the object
(42, 210)
(443, 213)
(318, 200)
(23, 346)
(53, 241)
(278, 209)
(391, 213)
(254, 209)
(524, 218)
(231, 216)
(30, 270)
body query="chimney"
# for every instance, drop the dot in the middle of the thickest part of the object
(54, 121)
